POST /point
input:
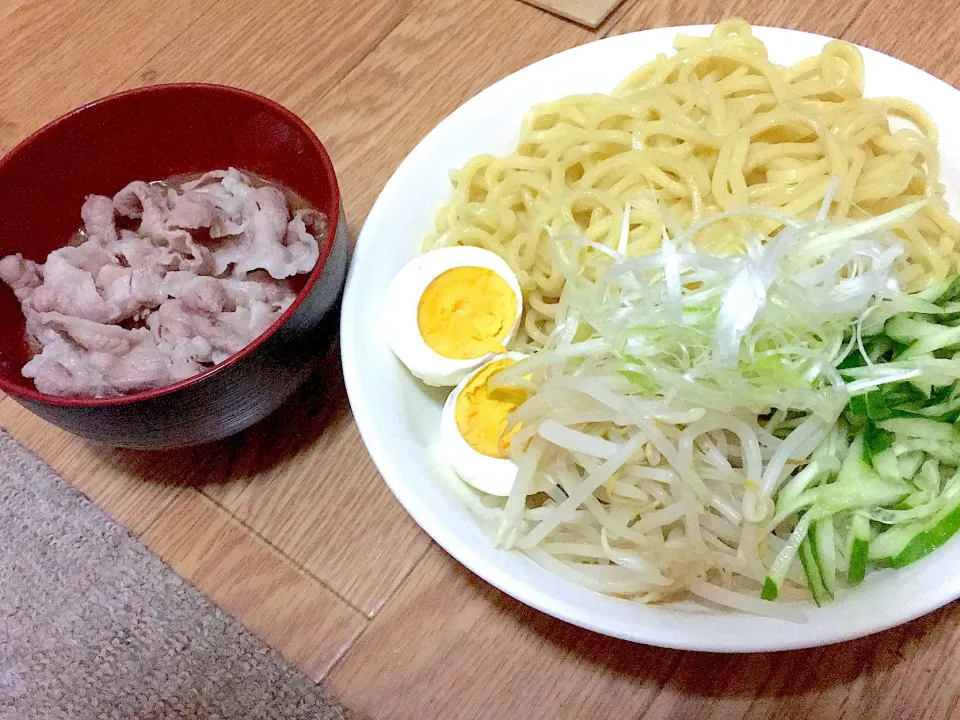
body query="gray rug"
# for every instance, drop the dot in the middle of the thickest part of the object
(93, 626)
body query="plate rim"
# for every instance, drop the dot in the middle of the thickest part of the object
(493, 574)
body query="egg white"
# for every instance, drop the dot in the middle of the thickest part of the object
(402, 300)
(494, 476)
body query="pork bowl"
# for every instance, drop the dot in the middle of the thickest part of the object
(169, 260)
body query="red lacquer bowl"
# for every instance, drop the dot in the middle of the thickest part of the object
(150, 134)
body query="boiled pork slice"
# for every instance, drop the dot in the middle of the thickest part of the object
(168, 281)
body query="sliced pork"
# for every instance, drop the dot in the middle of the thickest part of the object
(166, 282)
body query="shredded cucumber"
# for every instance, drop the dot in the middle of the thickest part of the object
(812, 571)
(907, 543)
(824, 549)
(859, 549)
(889, 493)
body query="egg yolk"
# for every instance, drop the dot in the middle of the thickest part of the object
(466, 312)
(481, 412)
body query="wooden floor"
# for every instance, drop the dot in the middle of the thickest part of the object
(288, 526)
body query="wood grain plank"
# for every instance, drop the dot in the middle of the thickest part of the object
(288, 50)
(888, 675)
(132, 487)
(55, 56)
(920, 33)
(442, 54)
(586, 12)
(314, 492)
(293, 613)
(450, 646)
(304, 481)
(819, 17)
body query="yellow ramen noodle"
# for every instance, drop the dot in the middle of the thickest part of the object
(713, 128)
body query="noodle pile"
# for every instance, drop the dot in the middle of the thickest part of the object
(714, 128)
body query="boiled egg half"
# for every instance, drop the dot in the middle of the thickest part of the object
(450, 310)
(474, 432)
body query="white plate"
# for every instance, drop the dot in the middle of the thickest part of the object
(399, 418)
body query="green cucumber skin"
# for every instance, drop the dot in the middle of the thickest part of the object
(810, 570)
(770, 590)
(858, 561)
(907, 542)
(821, 536)
(926, 542)
(859, 549)
(948, 294)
